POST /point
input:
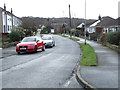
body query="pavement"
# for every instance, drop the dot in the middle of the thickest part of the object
(105, 75)
(7, 52)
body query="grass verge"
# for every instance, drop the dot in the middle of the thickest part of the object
(0, 44)
(63, 35)
(75, 39)
(89, 57)
(41, 35)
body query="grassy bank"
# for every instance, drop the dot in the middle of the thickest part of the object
(89, 57)
(75, 39)
(63, 35)
(0, 44)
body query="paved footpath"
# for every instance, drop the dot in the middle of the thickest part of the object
(7, 52)
(105, 75)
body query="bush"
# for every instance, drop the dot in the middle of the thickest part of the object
(113, 37)
(16, 35)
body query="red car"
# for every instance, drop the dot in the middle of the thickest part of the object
(30, 44)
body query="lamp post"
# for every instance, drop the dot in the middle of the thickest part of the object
(85, 24)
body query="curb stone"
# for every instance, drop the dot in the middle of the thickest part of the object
(82, 82)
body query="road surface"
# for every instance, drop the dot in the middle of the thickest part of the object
(53, 68)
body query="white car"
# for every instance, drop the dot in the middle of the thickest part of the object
(48, 40)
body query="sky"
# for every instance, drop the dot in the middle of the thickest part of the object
(60, 8)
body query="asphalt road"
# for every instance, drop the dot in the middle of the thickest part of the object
(53, 68)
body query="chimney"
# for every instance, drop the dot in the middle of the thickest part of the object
(99, 17)
(4, 6)
(11, 11)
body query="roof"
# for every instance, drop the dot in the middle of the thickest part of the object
(95, 23)
(81, 25)
(9, 13)
(107, 21)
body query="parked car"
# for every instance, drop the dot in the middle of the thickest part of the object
(48, 40)
(30, 44)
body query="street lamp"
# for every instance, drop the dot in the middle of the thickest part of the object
(85, 24)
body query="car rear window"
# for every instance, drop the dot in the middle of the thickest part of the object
(46, 38)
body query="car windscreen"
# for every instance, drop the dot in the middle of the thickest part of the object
(29, 40)
(46, 38)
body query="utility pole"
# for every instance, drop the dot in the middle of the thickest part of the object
(70, 20)
(85, 24)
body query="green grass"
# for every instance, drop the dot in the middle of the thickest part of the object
(0, 44)
(63, 35)
(89, 57)
(75, 39)
(41, 35)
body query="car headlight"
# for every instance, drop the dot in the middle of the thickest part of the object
(31, 45)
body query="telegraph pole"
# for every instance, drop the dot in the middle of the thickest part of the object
(70, 19)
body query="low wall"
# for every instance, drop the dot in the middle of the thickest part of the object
(114, 47)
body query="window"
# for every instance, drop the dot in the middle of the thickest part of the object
(8, 27)
(4, 29)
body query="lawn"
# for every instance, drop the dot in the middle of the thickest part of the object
(0, 44)
(63, 35)
(75, 39)
(89, 57)
(41, 35)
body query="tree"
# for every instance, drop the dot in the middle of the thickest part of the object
(30, 25)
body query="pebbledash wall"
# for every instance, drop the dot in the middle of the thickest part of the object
(7, 21)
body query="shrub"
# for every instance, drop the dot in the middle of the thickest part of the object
(113, 37)
(16, 34)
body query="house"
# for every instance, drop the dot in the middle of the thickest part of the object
(81, 25)
(7, 21)
(106, 24)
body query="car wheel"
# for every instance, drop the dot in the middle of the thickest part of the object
(52, 45)
(35, 49)
(18, 52)
(43, 49)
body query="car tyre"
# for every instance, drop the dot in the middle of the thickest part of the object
(35, 48)
(18, 52)
(43, 49)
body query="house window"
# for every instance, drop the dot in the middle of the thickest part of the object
(4, 28)
(8, 27)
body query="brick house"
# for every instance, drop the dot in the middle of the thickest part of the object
(106, 24)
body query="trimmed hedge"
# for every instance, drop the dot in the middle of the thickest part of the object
(113, 38)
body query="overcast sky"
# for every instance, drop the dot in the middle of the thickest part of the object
(59, 8)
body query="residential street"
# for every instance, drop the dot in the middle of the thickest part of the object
(53, 68)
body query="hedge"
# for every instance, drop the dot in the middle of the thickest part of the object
(113, 38)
